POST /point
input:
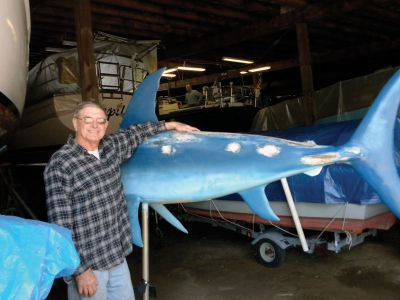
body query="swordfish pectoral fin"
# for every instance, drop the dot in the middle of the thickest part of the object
(258, 203)
(168, 216)
(133, 203)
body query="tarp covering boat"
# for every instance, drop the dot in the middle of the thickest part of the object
(343, 101)
(53, 89)
(33, 254)
(120, 67)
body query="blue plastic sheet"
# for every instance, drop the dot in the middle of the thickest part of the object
(33, 254)
(337, 183)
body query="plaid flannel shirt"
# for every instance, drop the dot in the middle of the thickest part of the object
(85, 195)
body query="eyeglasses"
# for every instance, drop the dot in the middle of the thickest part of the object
(90, 120)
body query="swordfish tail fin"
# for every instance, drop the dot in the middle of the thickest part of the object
(374, 142)
(142, 107)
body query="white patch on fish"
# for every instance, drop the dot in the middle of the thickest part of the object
(168, 150)
(321, 159)
(269, 150)
(308, 143)
(354, 150)
(233, 147)
(183, 137)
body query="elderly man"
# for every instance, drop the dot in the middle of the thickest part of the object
(84, 194)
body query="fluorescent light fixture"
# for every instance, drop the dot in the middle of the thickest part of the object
(260, 69)
(168, 75)
(183, 68)
(237, 60)
(243, 72)
(169, 70)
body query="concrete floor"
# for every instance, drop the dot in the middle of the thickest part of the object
(214, 263)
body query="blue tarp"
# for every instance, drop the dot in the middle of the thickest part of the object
(32, 255)
(337, 183)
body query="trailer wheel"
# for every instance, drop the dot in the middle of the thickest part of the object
(269, 253)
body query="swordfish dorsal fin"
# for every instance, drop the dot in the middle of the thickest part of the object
(142, 107)
(258, 202)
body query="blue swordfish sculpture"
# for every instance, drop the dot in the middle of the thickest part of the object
(177, 167)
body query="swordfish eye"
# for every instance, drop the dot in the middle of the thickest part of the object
(233, 147)
(269, 150)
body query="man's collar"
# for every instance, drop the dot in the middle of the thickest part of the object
(75, 146)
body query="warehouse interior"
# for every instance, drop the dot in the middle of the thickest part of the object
(291, 69)
(346, 39)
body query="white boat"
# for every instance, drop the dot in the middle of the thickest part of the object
(14, 59)
(53, 90)
(353, 218)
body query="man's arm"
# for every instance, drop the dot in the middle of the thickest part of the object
(128, 140)
(179, 126)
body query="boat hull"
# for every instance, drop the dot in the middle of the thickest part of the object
(328, 217)
(14, 36)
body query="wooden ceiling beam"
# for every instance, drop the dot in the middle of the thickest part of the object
(117, 26)
(128, 6)
(50, 20)
(168, 12)
(347, 53)
(105, 11)
(292, 3)
(53, 34)
(252, 7)
(259, 29)
(319, 38)
(380, 13)
(48, 31)
(357, 51)
(208, 11)
(348, 29)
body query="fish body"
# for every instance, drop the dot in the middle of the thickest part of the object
(177, 167)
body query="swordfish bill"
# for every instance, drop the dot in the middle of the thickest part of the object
(177, 167)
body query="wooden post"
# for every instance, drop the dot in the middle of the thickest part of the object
(87, 62)
(306, 72)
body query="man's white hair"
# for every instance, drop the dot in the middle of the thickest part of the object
(85, 104)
